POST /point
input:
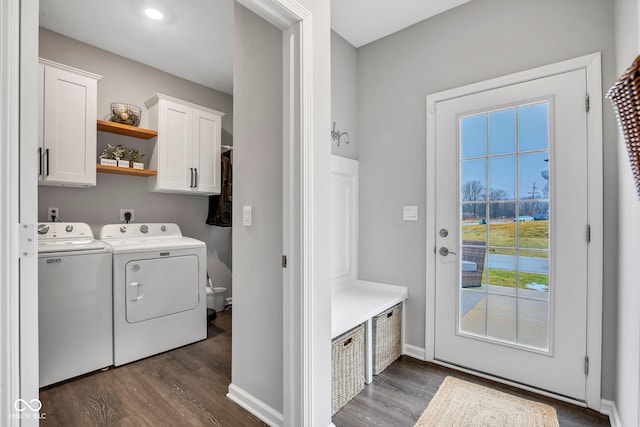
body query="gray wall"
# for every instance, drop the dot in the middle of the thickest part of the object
(628, 351)
(474, 42)
(258, 306)
(128, 81)
(258, 300)
(344, 95)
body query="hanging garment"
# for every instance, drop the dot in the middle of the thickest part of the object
(220, 205)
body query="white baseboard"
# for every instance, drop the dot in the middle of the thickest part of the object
(415, 352)
(257, 407)
(609, 408)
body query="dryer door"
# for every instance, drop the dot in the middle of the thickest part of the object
(161, 286)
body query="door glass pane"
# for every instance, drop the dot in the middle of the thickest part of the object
(501, 271)
(505, 243)
(502, 178)
(532, 184)
(501, 317)
(502, 233)
(473, 311)
(474, 229)
(473, 134)
(474, 180)
(533, 127)
(533, 328)
(502, 131)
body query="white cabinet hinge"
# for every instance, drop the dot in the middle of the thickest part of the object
(27, 240)
(588, 233)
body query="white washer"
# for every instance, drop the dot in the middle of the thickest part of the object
(159, 299)
(74, 302)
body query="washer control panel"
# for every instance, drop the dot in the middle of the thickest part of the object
(64, 230)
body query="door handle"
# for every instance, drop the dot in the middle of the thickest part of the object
(195, 185)
(40, 160)
(139, 295)
(191, 186)
(46, 154)
(444, 251)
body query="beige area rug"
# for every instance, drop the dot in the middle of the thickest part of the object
(460, 403)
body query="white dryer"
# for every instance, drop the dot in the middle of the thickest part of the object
(159, 298)
(74, 302)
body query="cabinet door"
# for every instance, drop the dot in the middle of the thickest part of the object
(175, 147)
(41, 170)
(206, 151)
(69, 128)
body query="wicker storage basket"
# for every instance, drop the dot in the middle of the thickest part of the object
(387, 334)
(347, 367)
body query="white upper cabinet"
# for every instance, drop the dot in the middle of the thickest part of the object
(67, 125)
(187, 152)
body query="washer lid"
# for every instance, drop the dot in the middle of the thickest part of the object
(70, 245)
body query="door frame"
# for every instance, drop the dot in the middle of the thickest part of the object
(305, 401)
(592, 64)
(18, 212)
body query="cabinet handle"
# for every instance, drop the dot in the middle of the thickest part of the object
(191, 186)
(195, 185)
(40, 160)
(46, 153)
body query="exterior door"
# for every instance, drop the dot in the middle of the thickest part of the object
(511, 273)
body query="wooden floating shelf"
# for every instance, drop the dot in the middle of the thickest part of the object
(125, 171)
(120, 129)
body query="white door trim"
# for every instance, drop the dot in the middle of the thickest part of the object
(592, 65)
(9, 212)
(18, 206)
(301, 405)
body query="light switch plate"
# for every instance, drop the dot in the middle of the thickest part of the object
(247, 216)
(409, 213)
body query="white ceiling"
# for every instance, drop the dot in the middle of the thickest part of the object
(363, 21)
(195, 42)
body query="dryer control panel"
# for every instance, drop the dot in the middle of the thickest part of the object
(138, 231)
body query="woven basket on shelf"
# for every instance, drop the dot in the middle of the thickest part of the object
(347, 367)
(625, 97)
(387, 334)
(127, 114)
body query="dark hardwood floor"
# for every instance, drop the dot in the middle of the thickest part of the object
(188, 387)
(398, 396)
(183, 387)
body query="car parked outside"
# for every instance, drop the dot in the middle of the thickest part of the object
(523, 218)
(541, 216)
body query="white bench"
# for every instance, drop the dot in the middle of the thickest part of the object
(358, 302)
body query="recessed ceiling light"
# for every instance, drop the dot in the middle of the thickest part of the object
(154, 14)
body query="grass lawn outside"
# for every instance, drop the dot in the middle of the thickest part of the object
(507, 278)
(532, 235)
